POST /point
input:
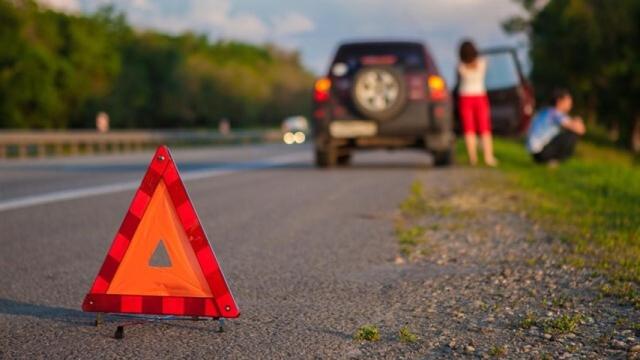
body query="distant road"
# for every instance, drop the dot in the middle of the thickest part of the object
(303, 250)
(41, 181)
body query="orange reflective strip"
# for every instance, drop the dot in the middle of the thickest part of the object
(136, 277)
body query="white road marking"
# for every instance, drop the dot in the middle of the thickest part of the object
(64, 195)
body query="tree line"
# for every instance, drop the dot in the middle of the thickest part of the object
(591, 47)
(58, 70)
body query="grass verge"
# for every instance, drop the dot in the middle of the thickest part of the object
(592, 201)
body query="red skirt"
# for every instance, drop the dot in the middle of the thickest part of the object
(475, 114)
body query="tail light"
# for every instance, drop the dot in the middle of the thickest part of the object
(437, 88)
(321, 90)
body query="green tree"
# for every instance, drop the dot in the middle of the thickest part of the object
(58, 70)
(590, 47)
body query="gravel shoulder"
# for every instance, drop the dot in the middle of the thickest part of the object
(480, 279)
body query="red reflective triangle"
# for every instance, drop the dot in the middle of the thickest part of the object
(161, 214)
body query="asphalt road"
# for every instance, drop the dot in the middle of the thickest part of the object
(308, 253)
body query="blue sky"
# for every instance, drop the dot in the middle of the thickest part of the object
(315, 27)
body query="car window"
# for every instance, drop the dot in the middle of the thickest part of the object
(502, 71)
(407, 55)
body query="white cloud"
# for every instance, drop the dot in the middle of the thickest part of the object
(291, 23)
(141, 4)
(215, 17)
(212, 17)
(315, 27)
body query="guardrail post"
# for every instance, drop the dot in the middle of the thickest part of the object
(23, 150)
(59, 148)
(41, 150)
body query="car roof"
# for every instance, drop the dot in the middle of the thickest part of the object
(380, 43)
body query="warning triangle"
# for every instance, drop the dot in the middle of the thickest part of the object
(161, 225)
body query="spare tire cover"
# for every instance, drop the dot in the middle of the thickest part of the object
(379, 92)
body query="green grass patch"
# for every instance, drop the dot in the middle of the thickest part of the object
(415, 204)
(592, 201)
(562, 324)
(367, 333)
(497, 351)
(528, 321)
(405, 335)
(409, 238)
(623, 290)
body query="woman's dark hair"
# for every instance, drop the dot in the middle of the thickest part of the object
(558, 94)
(468, 52)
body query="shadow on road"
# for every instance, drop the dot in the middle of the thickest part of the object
(361, 166)
(77, 317)
(340, 334)
(225, 166)
(71, 316)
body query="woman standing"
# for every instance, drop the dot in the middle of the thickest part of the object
(473, 104)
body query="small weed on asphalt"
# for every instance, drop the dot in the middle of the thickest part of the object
(562, 324)
(561, 301)
(407, 336)
(626, 291)
(367, 333)
(528, 321)
(415, 204)
(497, 351)
(410, 236)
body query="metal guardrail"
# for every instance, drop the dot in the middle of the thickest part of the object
(25, 144)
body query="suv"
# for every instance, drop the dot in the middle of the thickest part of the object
(510, 93)
(381, 95)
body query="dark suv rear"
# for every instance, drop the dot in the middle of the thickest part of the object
(381, 95)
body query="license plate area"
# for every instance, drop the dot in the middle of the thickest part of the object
(352, 129)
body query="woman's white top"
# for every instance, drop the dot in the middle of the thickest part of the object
(472, 78)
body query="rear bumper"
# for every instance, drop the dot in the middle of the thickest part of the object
(420, 123)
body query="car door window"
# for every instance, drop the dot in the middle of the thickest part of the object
(502, 71)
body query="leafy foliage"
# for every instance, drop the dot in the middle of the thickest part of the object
(590, 47)
(58, 70)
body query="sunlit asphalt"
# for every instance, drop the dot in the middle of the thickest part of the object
(307, 252)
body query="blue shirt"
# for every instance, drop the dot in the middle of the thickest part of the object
(546, 124)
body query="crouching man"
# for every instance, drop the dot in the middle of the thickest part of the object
(553, 133)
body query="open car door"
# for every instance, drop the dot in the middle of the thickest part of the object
(510, 93)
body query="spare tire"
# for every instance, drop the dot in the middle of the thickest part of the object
(379, 92)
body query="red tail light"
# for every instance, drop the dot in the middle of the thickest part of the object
(321, 90)
(437, 88)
